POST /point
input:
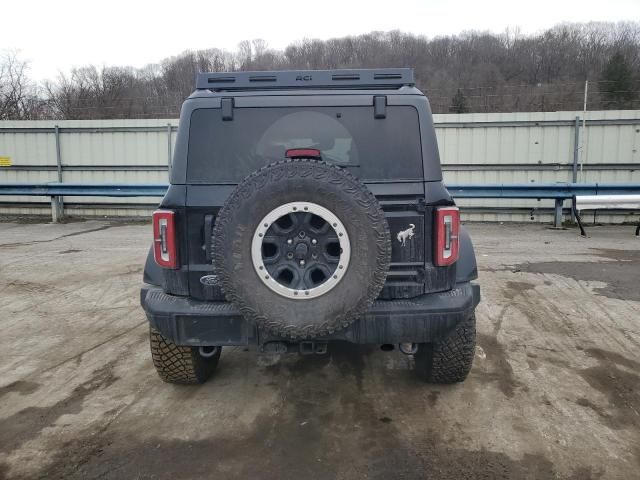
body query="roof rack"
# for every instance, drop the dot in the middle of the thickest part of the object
(287, 79)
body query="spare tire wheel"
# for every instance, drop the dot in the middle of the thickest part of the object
(301, 248)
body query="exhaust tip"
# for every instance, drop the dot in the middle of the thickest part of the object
(207, 352)
(408, 348)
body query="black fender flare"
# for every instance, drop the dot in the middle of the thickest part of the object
(152, 274)
(466, 267)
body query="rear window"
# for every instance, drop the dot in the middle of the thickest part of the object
(372, 149)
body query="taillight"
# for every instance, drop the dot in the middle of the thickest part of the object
(304, 153)
(447, 226)
(165, 249)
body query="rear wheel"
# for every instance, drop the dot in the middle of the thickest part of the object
(448, 360)
(179, 364)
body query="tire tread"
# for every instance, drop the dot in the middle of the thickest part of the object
(448, 360)
(179, 364)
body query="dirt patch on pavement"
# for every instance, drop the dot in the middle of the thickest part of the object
(260, 455)
(72, 234)
(21, 387)
(29, 422)
(22, 286)
(585, 402)
(586, 473)
(513, 288)
(614, 378)
(25, 220)
(498, 370)
(617, 255)
(620, 276)
(327, 425)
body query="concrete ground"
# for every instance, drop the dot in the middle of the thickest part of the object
(554, 391)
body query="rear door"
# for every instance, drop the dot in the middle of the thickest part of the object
(383, 149)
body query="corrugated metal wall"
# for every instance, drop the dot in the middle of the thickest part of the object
(91, 151)
(474, 148)
(536, 147)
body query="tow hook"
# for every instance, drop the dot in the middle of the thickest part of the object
(408, 348)
(276, 348)
(309, 348)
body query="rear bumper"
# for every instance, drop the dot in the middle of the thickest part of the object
(422, 319)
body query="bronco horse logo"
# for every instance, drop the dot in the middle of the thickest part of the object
(405, 235)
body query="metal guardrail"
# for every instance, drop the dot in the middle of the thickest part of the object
(604, 202)
(546, 190)
(57, 190)
(559, 192)
(84, 189)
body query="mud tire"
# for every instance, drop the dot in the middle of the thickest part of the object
(448, 360)
(179, 364)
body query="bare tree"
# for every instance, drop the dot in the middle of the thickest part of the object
(18, 96)
(492, 73)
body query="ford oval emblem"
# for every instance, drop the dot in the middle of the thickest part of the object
(209, 280)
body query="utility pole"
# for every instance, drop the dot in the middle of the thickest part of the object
(584, 125)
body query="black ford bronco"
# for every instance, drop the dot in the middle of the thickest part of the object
(307, 207)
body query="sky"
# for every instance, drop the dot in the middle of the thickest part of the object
(56, 36)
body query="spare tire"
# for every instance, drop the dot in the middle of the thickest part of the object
(301, 248)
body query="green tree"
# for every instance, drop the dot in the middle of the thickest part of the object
(617, 79)
(459, 103)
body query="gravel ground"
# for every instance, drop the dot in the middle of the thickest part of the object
(554, 391)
